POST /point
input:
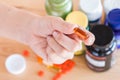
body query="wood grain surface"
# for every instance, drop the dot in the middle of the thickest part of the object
(79, 72)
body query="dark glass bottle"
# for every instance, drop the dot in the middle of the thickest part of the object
(100, 56)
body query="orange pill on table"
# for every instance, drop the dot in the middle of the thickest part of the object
(39, 59)
(40, 73)
(57, 76)
(26, 53)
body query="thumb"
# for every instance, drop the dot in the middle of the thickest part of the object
(64, 27)
(68, 28)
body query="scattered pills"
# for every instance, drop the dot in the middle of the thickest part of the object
(66, 66)
(40, 73)
(57, 76)
(26, 53)
(63, 68)
(15, 64)
(39, 59)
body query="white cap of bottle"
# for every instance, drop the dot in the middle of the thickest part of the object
(111, 4)
(15, 64)
(92, 8)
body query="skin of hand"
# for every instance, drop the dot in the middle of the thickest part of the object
(54, 40)
(51, 38)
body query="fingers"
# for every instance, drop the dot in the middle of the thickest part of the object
(68, 28)
(58, 49)
(63, 26)
(54, 45)
(54, 57)
(41, 52)
(68, 43)
(84, 35)
(91, 38)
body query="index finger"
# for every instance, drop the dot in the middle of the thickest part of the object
(63, 26)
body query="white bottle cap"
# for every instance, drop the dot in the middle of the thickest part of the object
(111, 4)
(92, 8)
(15, 64)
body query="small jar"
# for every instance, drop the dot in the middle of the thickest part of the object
(110, 5)
(100, 56)
(113, 21)
(93, 9)
(59, 8)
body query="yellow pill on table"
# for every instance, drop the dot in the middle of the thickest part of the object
(77, 17)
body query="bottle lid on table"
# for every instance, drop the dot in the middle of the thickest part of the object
(15, 64)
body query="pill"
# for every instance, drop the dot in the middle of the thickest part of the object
(81, 34)
(25, 53)
(40, 73)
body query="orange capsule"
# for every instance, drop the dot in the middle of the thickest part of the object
(81, 34)
(39, 59)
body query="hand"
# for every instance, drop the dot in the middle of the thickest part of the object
(50, 37)
(53, 39)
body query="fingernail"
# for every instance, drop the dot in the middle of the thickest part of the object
(91, 40)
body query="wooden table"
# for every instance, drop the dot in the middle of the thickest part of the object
(79, 72)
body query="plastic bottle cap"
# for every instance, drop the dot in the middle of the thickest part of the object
(15, 64)
(92, 8)
(111, 4)
(77, 17)
(113, 19)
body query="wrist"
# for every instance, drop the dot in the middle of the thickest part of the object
(30, 30)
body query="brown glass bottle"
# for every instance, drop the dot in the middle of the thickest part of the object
(100, 56)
